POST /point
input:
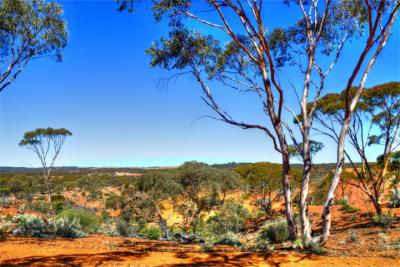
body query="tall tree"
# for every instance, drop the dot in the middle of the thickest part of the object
(375, 124)
(379, 19)
(251, 60)
(158, 186)
(47, 144)
(29, 29)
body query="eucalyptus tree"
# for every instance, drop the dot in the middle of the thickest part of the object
(375, 126)
(29, 29)
(201, 189)
(46, 143)
(249, 58)
(158, 187)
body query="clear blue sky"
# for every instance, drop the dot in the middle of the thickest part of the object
(105, 92)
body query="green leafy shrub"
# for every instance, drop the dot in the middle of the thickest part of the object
(69, 227)
(30, 225)
(38, 205)
(315, 248)
(230, 218)
(229, 238)
(346, 208)
(114, 201)
(5, 202)
(385, 220)
(275, 231)
(87, 218)
(152, 233)
(394, 201)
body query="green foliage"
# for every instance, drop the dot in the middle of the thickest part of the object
(275, 231)
(153, 233)
(114, 201)
(30, 225)
(87, 219)
(394, 201)
(346, 208)
(39, 205)
(384, 220)
(230, 218)
(229, 238)
(69, 227)
(315, 248)
(29, 29)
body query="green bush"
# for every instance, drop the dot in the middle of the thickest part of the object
(69, 227)
(275, 231)
(346, 208)
(315, 248)
(114, 201)
(30, 225)
(152, 233)
(385, 220)
(231, 218)
(123, 228)
(229, 238)
(5, 202)
(57, 198)
(87, 219)
(394, 201)
(39, 205)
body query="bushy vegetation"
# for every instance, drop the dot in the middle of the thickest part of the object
(347, 208)
(275, 231)
(69, 227)
(394, 201)
(87, 219)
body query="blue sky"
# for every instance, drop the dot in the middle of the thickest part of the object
(105, 92)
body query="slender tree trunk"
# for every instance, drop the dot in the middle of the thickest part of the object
(326, 213)
(287, 192)
(162, 224)
(305, 223)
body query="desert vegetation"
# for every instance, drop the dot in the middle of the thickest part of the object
(255, 210)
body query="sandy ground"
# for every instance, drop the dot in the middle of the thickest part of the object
(116, 251)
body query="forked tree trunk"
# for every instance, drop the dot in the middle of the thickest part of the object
(351, 104)
(162, 224)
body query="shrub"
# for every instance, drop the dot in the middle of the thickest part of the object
(315, 248)
(122, 228)
(30, 225)
(346, 208)
(385, 220)
(57, 198)
(394, 201)
(114, 201)
(353, 237)
(230, 218)
(87, 218)
(69, 227)
(39, 205)
(229, 238)
(275, 231)
(152, 233)
(60, 205)
(5, 202)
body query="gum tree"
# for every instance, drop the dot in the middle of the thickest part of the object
(29, 29)
(375, 126)
(242, 54)
(47, 144)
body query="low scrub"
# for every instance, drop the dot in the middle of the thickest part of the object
(88, 220)
(153, 233)
(346, 208)
(275, 231)
(30, 225)
(69, 227)
(394, 201)
(385, 220)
